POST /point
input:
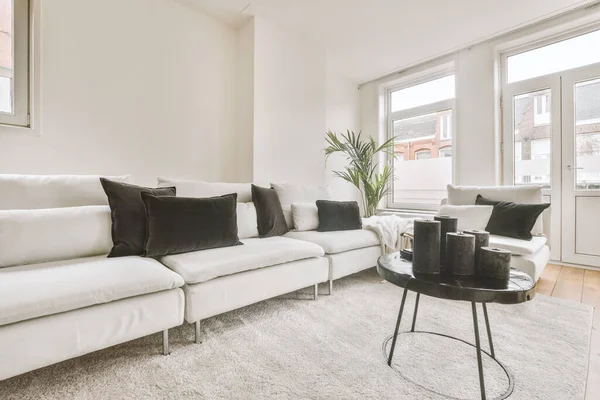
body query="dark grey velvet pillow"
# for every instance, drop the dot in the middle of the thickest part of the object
(512, 219)
(129, 215)
(183, 224)
(338, 215)
(269, 214)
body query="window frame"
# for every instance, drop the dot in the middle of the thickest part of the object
(442, 149)
(390, 117)
(21, 45)
(422, 151)
(446, 126)
(541, 102)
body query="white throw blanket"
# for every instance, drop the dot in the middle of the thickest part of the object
(389, 228)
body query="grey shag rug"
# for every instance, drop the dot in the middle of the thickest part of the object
(292, 347)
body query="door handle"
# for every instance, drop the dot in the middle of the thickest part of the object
(570, 168)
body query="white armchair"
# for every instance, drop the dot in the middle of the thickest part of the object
(528, 256)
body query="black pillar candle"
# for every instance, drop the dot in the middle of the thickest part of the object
(482, 239)
(495, 263)
(449, 224)
(426, 247)
(460, 254)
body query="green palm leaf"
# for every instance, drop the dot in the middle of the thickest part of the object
(363, 171)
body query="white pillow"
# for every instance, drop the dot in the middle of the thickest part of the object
(469, 217)
(35, 236)
(28, 192)
(305, 216)
(246, 220)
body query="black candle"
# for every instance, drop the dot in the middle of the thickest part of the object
(460, 254)
(426, 247)
(482, 239)
(449, 224)
(495, 263)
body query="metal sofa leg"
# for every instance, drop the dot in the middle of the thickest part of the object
(198, 337)
(166, 351)
(330, 282)
(316, 294)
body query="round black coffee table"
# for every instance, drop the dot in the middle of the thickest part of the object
(518, 289)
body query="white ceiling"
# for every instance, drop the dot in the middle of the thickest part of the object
(366, 39)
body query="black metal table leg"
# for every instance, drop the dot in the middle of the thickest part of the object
(412, 329)
(397, 327)
(489, 331)
(478, 347)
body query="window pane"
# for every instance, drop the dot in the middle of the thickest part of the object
(446, 152)
(6, 56)
(423, 166)
(425, 93)
(587, 134)
(560, 56)
(532, 135)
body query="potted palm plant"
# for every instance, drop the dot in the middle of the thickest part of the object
(363, 169)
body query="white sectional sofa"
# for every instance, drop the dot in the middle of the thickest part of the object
(222, 280)
(60, 297)
(347, 252)
(528, 256)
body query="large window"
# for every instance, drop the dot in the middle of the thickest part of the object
(420, 118)
(560, 56)
(14, 62)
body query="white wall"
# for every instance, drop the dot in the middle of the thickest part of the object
(289, 106)
(139, 86)
(243, 144)
(476, 136)
(343, 113)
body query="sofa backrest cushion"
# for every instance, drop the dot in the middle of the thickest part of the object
(469, 217)
(289, 193)
(530, 194)
(35, 236)
(189, 188)
(292, 193)
(24, 192)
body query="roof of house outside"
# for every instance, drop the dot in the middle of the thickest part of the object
(415, 128)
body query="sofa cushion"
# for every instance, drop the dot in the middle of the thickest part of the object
(27, 192)
(184, 224)
(529, 194)
(339, 241)
(246, 220)
(129, 215)
(43, 289)
(34, 236)
(338, 215)
(305, 216)
(189, 188)
(517, 246)
(270, 218)
(469, 217)
(512, 219)
(292, 193)
(202, 266)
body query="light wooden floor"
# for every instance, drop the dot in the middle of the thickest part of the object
(582, 286)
